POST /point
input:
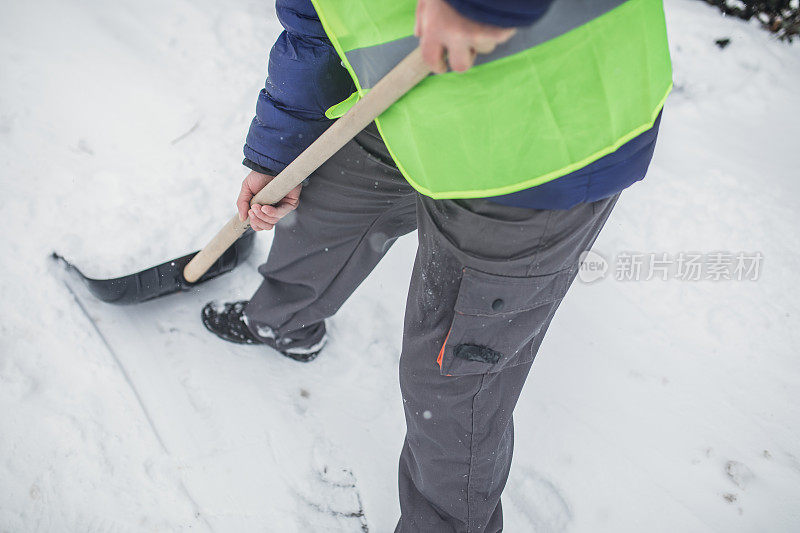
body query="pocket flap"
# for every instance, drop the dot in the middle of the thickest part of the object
(499, 295)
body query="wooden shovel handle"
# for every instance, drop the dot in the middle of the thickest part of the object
(402, 78)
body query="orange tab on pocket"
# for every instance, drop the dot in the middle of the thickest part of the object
(441, 352)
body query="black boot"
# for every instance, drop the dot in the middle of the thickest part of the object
(229, 323)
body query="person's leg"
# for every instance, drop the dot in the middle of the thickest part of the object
(350, 213)
(487, 281)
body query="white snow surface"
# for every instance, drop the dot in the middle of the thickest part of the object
(659, 406)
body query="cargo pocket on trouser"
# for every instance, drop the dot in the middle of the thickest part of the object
(497, 318)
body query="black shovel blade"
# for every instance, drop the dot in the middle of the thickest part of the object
(162, 279)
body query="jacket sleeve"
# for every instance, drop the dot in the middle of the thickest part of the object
(305, 77)
(506, 13)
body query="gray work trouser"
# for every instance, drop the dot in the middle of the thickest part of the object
(486, 283)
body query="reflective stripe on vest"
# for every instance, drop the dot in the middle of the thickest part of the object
(372, 63)
(581, 81)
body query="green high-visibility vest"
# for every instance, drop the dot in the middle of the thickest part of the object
(580, 82)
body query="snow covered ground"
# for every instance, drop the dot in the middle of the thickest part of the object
(121, 123)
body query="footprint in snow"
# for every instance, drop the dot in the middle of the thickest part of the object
(739, 473)
(540, 501)
(328, 498)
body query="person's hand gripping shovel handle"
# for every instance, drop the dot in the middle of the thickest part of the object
(402, 78)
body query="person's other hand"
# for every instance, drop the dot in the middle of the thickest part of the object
(441, 29)
(264, 217)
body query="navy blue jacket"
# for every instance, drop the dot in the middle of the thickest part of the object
(305, 77)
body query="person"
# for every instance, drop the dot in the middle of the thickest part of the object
(488, 276)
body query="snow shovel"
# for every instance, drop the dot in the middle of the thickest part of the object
(231, 245)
